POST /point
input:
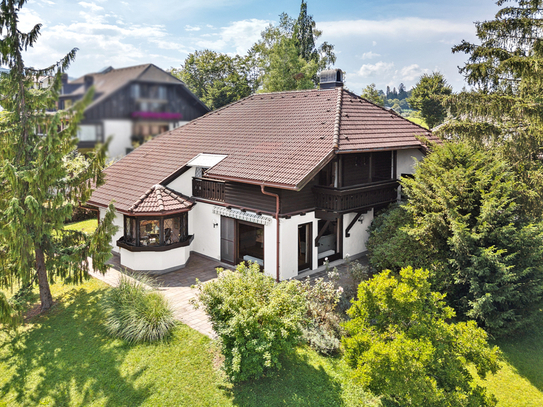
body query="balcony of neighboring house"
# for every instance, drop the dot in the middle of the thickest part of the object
(210, 189)
(354, 198)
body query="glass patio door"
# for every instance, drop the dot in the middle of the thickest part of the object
(228, 234)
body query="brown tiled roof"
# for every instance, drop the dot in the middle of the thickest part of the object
(365, 126)
(160, 200)
(277, 139)
(107, 83)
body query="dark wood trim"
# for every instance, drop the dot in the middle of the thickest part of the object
(321, 232)
(174, 175)
(131, 248)
(350, 226)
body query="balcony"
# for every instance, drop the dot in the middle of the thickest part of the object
(208, 189)
(355, 198)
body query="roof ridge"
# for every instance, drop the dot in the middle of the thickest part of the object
(141, 199)
(335, 140)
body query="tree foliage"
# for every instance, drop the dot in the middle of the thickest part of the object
(425, 98)
(255, 318)
(43, 178)
(504, 111)
(371, 93)
(463, 222)
(403, 346)
(288, 56)
(216, 79)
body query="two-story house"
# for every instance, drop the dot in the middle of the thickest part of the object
(283, 179)
(130, 104)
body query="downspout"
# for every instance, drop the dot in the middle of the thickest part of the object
(277, 222)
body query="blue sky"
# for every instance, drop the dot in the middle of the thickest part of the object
(381, 41)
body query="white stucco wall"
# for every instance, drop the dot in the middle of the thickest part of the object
(207, 238)
(155, 261)
(120, 130)
(406, 160)
(289, 244)
(270, 243)
(183, 183)
(356, 242)
(117, 221)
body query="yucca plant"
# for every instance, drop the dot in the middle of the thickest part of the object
(136, 312)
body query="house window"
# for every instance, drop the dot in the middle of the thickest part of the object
(135, 91)
(68, 103)
(156, 231)
(89, 132)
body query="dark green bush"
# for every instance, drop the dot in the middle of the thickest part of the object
(136, 313)
(463, 223)
(255, 318)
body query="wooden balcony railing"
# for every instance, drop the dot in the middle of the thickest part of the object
(355, 198)
(208, 189)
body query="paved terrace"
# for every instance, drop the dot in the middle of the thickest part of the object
(176, 285)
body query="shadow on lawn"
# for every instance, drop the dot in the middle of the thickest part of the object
(296, 384)
(68, 358)
(524, 352)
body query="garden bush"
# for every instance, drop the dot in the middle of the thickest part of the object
(255, 318)
(322, 326)
(136, 313)
(402, 344)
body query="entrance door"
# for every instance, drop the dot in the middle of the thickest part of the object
(228, 228)
(305, 248)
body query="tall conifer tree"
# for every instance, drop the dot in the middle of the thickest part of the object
(43, 177)
(505, 111)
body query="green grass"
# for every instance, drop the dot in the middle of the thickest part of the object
(86, 226)
(418, 120)
(520, 381)
(66, 358)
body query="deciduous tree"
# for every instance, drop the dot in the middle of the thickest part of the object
(425, 98)
(43, 178)
(216, 79)
(371, 93)
(404, 346)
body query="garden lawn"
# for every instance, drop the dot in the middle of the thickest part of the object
(66, 358)
(86, 226)
(418, 120)
(520, 381)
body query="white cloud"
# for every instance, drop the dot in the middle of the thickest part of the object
(239, 35)
(370, 55)
(407, 26)
(28, 19)
(411, 72)
(191, 28)
(92, 6)
(379, 69)
(374, 43)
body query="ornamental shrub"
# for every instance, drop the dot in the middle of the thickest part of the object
(403, 346)
(322, 326)
(255, 318)
(136, 313)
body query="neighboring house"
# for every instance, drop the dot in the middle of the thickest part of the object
(284, 179)
(131, 104)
